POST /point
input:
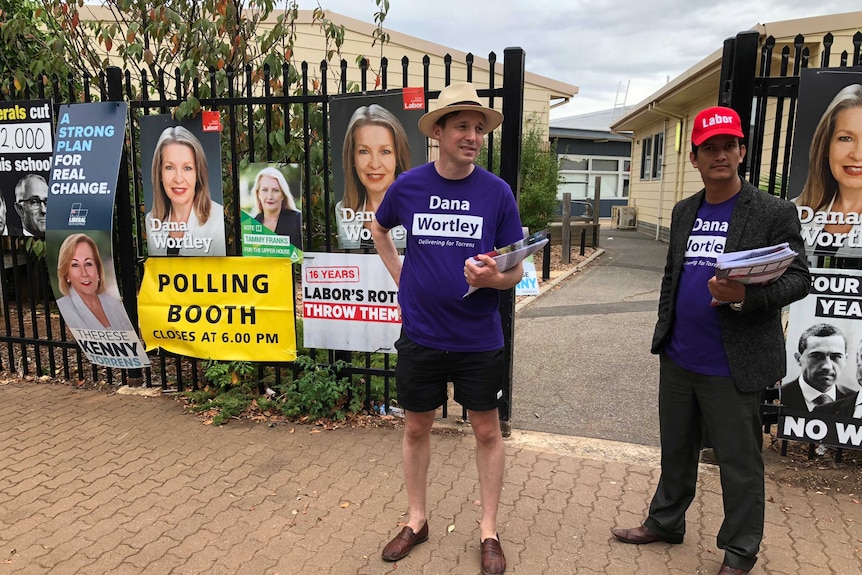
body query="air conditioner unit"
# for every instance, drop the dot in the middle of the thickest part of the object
(628, 218)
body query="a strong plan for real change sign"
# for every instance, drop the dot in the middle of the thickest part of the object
(86, 161)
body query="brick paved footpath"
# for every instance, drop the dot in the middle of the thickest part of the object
(92, 483)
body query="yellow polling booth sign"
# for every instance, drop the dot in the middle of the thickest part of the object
(219, 308)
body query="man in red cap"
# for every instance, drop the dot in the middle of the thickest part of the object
(716, 360)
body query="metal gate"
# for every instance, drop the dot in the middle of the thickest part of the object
(34, 340)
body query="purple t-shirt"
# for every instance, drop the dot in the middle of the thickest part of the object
(695, 342)
(448, 221)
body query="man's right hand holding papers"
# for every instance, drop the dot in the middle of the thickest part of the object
(734, 270)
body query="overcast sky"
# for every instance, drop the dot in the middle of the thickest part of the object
(601, 46)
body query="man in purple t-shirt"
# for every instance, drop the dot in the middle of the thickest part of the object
(715, 360)
(452, 210)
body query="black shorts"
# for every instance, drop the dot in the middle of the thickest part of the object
(422, 373)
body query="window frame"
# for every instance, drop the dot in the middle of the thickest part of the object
(658, 155)
(646, 157)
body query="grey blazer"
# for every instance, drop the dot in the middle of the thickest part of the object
(753, 338)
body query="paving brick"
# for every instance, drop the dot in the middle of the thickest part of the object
(112, 497)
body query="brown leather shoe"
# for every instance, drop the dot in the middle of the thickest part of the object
(641, 536)
(727, 570)
(493, 560)
(401, 545)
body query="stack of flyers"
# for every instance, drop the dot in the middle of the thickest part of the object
(510, 255)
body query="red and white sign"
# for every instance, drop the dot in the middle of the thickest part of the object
(211, 121)
(349, 302)
(414, 98)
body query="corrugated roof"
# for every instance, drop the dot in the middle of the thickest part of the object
(590, 126)
(599, 121)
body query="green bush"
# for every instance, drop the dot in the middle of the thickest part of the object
(540, 176)
(319, 392)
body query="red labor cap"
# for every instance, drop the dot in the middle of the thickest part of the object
(715, 121)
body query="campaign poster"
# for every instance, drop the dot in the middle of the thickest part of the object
(349, 302)
(182, 179)
(825, 170)
(820, 395)
(375, 137)
(231, 309)
(529, 284)
(79, 254)
(270, 197)
(26, 145)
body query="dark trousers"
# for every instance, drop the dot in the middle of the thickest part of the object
(690, 403)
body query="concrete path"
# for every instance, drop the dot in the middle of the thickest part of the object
(582, 349)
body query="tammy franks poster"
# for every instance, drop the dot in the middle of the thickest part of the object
(271, 210)
(820, 394)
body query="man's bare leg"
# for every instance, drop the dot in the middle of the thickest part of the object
(416, 457)
(490, 461)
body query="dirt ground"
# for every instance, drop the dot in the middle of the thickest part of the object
(557, 266)
(820, 473)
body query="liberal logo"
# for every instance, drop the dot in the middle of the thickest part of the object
(78, 215)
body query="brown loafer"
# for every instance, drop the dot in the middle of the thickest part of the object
(728, 570)
(641, 536)
(493, 560)
(406, 540)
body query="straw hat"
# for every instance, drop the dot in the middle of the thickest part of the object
(458, 97)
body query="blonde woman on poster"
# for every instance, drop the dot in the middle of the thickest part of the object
(375, 152)
(276, 208)
(81, 279)
(831, 200)
(184, 220)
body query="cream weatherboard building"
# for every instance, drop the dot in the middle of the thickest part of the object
(540, 93)
(661, 173)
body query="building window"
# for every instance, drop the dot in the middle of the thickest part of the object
(658, 155)
(606, 166)
(574, 164)
(646, 157)
(579, 175)
(575, 184)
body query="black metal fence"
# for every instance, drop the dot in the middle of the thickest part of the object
(34, 340)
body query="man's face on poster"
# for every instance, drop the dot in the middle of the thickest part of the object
(822, 361)
(31, 205)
